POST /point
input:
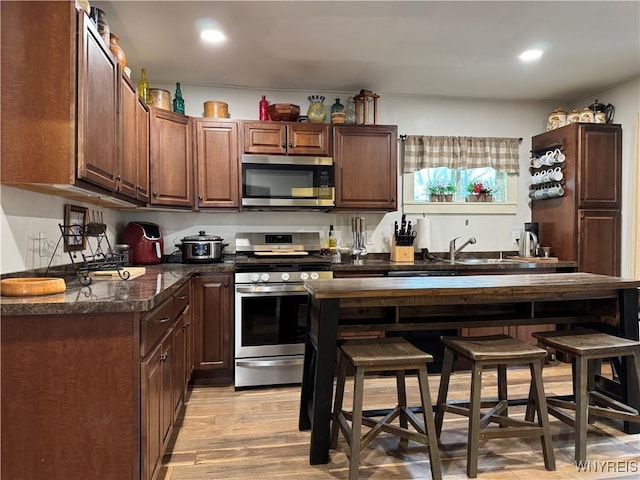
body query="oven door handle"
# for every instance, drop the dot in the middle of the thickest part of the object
(271, 289)
(270, 363)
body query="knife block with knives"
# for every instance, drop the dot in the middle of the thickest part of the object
(402, 242)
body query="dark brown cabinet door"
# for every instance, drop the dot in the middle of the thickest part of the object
(600, 172)
(170, 159)
(97, 108)
(308, 139)
(287, 138)
(142, 150)
(127, 178)
(218, 164)
(358, 151)
(167, 360)
(178, 374)
(599, 241)
(151, 395)
(214, 328)
(265, 137)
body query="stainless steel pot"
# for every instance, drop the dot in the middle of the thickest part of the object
(202, 248)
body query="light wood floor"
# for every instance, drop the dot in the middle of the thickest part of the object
(253, 434)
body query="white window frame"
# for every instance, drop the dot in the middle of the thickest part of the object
(491, 208)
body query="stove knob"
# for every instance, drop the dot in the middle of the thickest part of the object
(254, 277)
(314, 275)
(285, 276)
(304, 276)
(264, 277)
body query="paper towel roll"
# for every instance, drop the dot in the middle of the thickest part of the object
(423, 237)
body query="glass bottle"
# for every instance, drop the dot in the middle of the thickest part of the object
(264, 109)
(337, 107)
(350, 111)
(316, 112)
(178, 101)
(143, 85)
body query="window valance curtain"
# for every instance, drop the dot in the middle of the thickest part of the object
(460, 153)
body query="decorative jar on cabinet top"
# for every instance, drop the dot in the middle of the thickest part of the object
(117, 50)
(316, 112)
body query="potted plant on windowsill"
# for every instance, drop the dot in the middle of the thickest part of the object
(479, 192)
(441, 192)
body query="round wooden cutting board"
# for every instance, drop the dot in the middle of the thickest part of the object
(28, 286)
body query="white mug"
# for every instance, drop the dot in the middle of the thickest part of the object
(548, 159)
(536, 162)
(556, 174)
(556, 191)
(558, 156)
(532, 194)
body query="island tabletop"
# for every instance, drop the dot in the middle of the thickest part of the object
(433, 303)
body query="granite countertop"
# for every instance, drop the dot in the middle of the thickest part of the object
(143, 293)
(140, 294)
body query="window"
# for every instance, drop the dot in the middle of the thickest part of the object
(460, 174)
(484, 181)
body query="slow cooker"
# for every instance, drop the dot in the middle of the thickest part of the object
(202, 248)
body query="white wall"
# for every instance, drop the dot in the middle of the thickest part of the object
(24, 214)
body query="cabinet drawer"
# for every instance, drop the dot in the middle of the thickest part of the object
(154, 325)
(181, 299)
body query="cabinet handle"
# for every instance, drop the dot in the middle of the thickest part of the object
(225, 285)
(164, 320)
(200, 197)
(188, 324)
(284, 145)
(118, 177)
(155, 194)
(164, 357)
(183, 297)
(291, 145)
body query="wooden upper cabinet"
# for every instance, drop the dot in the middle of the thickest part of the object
(133, 171)
(600, 167)
(127, 178)
(357, 152)
(170, 159)
(217, 164)
(142, 150)
(38, 93)
(97, 108)
(287, 138)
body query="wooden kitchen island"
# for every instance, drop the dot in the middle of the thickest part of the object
(434, 303)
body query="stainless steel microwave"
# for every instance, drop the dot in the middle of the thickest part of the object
(276, 181)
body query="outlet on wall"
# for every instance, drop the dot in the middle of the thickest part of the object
(515, 236)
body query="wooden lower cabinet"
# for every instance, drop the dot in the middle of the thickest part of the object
(151, 392)
(213, 322)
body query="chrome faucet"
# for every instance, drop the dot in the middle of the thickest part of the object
(452, 247)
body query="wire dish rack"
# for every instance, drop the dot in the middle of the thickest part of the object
(98, 255)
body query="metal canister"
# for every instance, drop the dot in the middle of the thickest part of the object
(122, 250)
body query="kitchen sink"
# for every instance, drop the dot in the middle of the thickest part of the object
(483, 261)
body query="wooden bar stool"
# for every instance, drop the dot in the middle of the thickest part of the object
(382, 355)
(494, 351)
(588, 347)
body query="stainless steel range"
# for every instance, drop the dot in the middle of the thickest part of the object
(271, 304)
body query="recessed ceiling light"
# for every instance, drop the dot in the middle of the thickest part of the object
(530, 55)
(212, 36)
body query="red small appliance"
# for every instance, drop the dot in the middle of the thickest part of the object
(145, 241)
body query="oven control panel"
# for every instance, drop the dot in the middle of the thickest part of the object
(280, 277)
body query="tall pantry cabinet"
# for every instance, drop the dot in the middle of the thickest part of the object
(584, 224)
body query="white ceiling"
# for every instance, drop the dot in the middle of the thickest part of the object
(448, 48)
